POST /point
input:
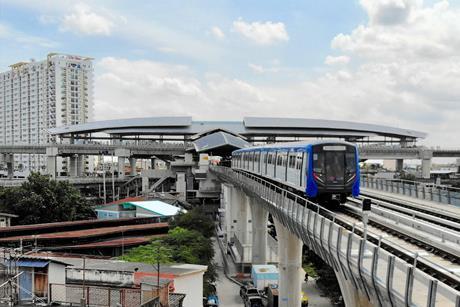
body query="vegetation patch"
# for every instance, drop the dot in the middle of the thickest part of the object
(42, 200)
(188, 241)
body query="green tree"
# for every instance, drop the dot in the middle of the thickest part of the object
(181, 245)
(195, 219)
(150, 253)
(42, 200)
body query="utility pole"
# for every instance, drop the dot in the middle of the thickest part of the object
(158, 269)
(83, 300)
(103, 179)
(113, 179)
(366, 209)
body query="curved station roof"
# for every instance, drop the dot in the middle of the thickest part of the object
(249, 128)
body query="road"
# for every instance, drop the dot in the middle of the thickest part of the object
(228, 292)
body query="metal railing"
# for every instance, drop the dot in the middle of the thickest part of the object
(420, 190)
(95, 296)
(381, 276)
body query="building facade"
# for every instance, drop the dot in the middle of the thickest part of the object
(38, 95)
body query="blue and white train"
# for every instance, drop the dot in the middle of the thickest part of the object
(325, 170)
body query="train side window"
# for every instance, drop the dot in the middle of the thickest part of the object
(284, 157)
(299, 160)
(292, 160)
(279, 160)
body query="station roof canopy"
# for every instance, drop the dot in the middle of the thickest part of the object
(249, 127)
(219, 143)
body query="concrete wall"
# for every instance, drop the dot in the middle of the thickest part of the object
(56, 273)
(192, 286)
(100, 276)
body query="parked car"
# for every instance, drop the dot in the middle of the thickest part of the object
(248, 290)
(253, 301)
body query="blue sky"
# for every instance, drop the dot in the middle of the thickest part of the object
(311, 28)
(392, 62)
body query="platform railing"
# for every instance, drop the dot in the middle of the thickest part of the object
(381, 276)
(420, 190)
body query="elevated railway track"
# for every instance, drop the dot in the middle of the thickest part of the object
(432, 256)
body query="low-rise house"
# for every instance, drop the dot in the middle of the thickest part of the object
(5, 219)
(186, 279)
(34, 275)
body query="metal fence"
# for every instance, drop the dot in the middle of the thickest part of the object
(381, 276)
(95, 296)
(420, 190)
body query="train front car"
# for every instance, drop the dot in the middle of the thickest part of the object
(333, 172)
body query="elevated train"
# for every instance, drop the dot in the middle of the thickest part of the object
(327, 171)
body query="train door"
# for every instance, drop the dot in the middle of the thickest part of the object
(263, 162)
(257, 162)
(292, 173)
(304, 169)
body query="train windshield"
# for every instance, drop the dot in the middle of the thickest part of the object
(334, 164)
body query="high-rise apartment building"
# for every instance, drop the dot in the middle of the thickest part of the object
(38, 95)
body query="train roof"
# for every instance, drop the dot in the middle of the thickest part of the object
(293, 145)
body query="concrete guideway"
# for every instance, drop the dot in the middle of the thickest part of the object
(96, 149)
(446, 211)
(437, 218)
(367, 274)
(436, 236)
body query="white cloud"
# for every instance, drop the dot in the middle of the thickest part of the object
(390, 12)
(82, 20)
(145, 88)
(259, 69)
(333, 60)
(217, 32)
(427, 32)
(263, 33)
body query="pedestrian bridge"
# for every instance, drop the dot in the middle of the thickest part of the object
(368, 274)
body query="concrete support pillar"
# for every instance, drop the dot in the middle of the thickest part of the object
(290, 267)
(121, 167)
(233, 207)
(51, 153)
(259, 232)
(80, 165)
(399, 165)
(426, 156)
(181, 186)
(426, 168)
(145, 185)
(72, 166)
(9, 160)
(121, 154)
(132, 164)
(245, 221)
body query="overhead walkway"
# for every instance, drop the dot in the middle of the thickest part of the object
(372, 272)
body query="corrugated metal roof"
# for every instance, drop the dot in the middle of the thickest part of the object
(157, 207)
(310, 123)
(32, 263)
(248, 126)
(219, 139)
(176, 121)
